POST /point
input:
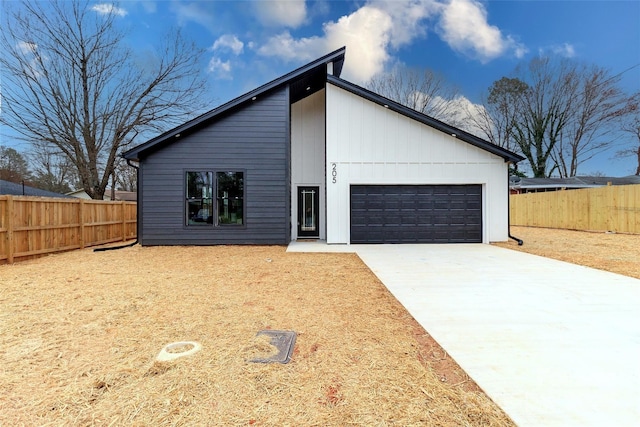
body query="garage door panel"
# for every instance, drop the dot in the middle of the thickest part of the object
(416, 214)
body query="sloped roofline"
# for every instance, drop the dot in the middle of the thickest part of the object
(336, 57)
(460, 134)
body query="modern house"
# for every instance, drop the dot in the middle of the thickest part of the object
(312, 156)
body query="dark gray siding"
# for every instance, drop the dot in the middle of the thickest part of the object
(253, 139)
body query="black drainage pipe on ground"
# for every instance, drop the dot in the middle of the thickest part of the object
(113, 248)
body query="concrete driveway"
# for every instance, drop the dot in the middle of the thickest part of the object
(552, 343)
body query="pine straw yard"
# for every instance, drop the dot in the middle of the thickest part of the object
(79, 333)
(617, 253)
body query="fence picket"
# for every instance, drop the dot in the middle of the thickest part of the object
(612, 208)
(36, 226)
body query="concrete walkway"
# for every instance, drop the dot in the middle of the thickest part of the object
(552, 343)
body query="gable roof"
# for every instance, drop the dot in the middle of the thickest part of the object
(14, 189)
(310, 76)
(303, 82)
(427, 120)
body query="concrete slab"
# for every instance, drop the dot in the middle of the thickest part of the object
(552, 343)
(318, 246)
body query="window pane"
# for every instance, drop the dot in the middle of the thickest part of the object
(230, 197)
(199, 202)
(198, 185)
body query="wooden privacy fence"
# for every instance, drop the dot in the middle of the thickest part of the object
(611, 208)
(35, 226)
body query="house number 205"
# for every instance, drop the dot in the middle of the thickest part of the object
(334, 173)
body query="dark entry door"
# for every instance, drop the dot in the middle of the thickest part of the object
(308, 211)
(416, 214)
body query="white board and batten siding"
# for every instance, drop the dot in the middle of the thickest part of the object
(308, 154)
(370, 144)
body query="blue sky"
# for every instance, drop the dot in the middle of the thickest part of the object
(473, 43)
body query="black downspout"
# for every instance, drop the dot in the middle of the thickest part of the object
(128, 245)
(520, 241)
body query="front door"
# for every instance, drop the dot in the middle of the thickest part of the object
(308, 211)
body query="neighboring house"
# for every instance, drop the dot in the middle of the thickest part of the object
(126, 196)
(310, 155)
(537, 185)
(14, 189)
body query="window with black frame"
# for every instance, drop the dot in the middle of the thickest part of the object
(230, 198)
(199, 203)
(229, 194)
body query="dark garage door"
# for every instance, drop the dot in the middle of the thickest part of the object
(416, 214)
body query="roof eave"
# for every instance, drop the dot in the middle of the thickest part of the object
(336, 57)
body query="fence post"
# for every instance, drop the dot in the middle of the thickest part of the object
(10, 229)
(124, 220)
(81, 218)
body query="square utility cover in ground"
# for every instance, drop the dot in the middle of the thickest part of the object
(284, 341)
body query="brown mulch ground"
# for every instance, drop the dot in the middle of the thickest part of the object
(617, 253)
(79, 333)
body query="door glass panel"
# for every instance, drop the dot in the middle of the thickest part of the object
(309, 220)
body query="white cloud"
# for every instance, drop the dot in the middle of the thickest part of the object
(566, 50)
(281, 13)
(408, 18)
(463, 25)
(149, 6)
(198, 12)
(519, 50)
(369, 33)
(229, 42)
(222, 69)
(456, 111)
(32, 60)
(26, 47)
(107, 9)
(319, 8)
(285, 47)
(466, 115)
(374, 31)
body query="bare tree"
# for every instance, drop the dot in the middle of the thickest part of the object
(598, 108)
(70, 82)
(52, 171)
(632, 127)
(13, 166)
(501, 107)
(424, 91)
(126, 176)
(542, 111)
(557, 114)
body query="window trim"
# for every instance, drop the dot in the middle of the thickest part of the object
(214, 198)
(188, 199)
(215, 188)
